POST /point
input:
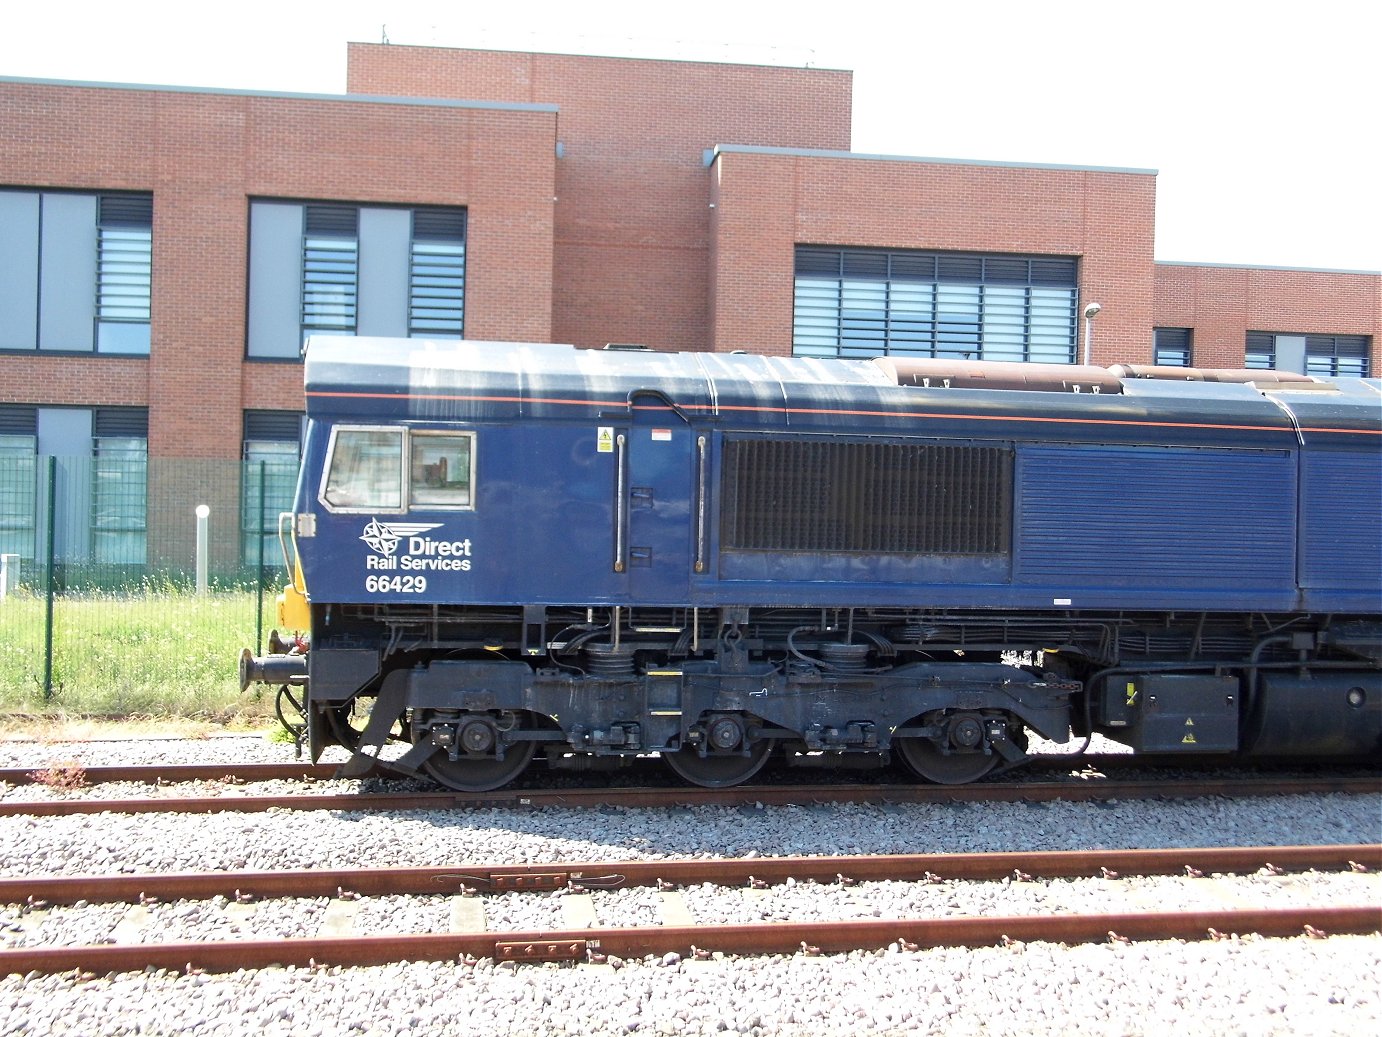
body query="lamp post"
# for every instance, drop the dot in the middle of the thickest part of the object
(1090, 312)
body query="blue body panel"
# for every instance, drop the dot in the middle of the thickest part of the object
(1176, 496)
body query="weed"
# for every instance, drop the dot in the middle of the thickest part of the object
(68, 776)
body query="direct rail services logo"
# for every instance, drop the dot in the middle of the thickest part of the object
(404, 545)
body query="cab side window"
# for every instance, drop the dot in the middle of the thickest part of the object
(441, 473)
(365, 471)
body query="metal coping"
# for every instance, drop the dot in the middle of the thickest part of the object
(711, 154)
(422, 102)
(1266, 266)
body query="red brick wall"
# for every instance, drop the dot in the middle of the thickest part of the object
(631, 249)
(1222, 304)
(632, 219)
(204, 155)
(766, 204)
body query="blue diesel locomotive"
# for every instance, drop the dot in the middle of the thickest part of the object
(502, 552)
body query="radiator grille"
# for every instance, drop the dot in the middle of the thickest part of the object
(883, 498)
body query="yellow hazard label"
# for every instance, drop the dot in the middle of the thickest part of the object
(1132, 693)
(1189, 738)
(1189, 721)
(604, 439)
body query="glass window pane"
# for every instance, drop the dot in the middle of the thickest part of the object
(272, 465)
(119, 500)
(366, 470)
(330, 268)
(441, 471)
(18, 494)
(131, 339)
(436, 299)
(1052, 335)
(934, 304)
(124, 277)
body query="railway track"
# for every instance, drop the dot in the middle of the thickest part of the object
(584, 941)
(1103, 789)
(1086, 766)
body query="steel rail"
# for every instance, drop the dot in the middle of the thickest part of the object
(694, 941)
(166, 774)
(329, 882)
(773, 795)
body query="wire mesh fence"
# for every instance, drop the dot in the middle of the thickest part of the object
(108, 602)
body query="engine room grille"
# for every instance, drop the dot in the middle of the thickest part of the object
(887, 498)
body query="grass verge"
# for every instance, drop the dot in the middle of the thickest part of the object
(155, 656)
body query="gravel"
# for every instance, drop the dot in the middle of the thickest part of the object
(1239, 986)
(1249, 986)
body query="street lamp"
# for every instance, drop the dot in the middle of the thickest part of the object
(1090, 312)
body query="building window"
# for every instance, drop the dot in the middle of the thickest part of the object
(124, 273)
(436, 274)
(18, 479)
(326, 269)
(863, 303)
(272, 449)
(1337, 356)
(1172, 347)
(120, 481)
(1260, 353)
(78, 271)
(1326, 356)
(330, 269)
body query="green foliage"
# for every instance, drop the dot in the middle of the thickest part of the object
(152, 650)
(282, 735)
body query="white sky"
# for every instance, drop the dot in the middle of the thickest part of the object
(1262, 121)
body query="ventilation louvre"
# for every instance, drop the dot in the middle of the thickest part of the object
(884, 498)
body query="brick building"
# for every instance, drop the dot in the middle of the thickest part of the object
(163, 250)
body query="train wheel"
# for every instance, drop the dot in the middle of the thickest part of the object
(733, 755)
(718, 772)
(475, 769)
(927, 761)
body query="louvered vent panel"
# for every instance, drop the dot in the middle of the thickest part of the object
(879, 498)
(1341, 543)
(1156, 516)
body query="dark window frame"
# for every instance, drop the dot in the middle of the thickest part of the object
(330, 269)
(262, 432)
(1173, 347)
(857, 302)
(1338, 356)
(437, 256)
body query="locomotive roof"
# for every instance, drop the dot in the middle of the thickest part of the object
(381, 379)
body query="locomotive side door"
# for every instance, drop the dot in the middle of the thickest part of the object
(658, 497)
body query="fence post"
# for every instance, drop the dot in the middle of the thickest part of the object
(49, 581)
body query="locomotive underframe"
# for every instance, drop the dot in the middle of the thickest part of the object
(466, 684)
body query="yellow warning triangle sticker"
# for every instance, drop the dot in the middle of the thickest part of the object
(1189, 722)
(1189, 739)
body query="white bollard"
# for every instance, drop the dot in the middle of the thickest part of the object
(203, 512)
(9, 574)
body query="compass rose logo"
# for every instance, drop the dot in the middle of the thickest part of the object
(383, 537)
